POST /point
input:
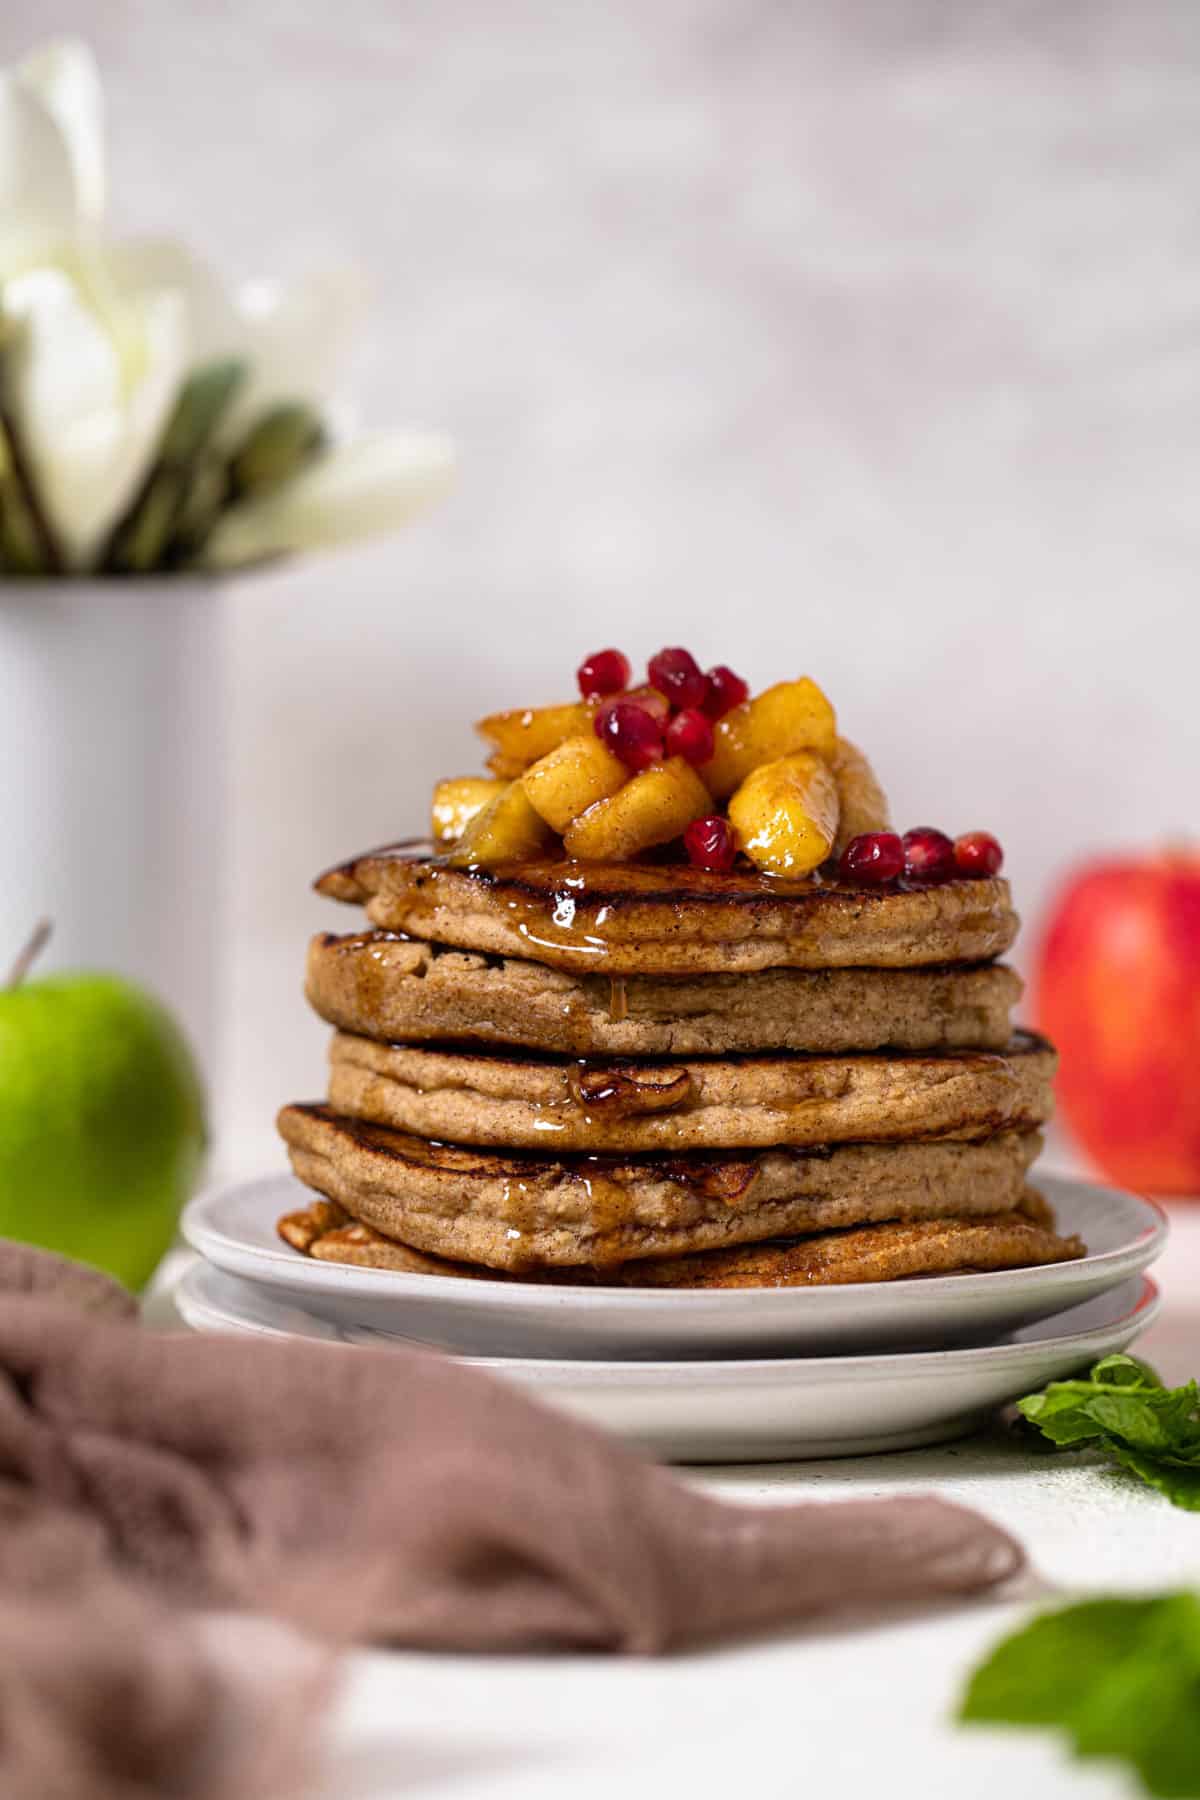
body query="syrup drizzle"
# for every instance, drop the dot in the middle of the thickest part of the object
(578, 916)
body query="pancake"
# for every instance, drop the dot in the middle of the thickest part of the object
(378, 985)
(888, 1252)
(719, 1103)
(519, 1212)
(644, 919)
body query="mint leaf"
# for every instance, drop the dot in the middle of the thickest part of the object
(1122, 1406)
(1061, 1412)
(1123, 1371)
(1181, 1486)
(1121, 1678)
(1160, 1420)
(1041, 1674)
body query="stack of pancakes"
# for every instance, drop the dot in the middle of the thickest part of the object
(658, 1076)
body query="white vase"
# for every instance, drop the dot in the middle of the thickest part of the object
(112, 729)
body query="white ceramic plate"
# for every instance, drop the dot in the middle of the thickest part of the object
(234, 1227)
(771, 1409)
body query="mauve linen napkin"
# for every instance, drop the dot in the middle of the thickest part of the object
(156, 1488)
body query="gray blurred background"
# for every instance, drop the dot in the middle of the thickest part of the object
(860, 340)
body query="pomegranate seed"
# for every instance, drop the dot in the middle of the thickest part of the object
(675, 674)
(725, 691)
(977, 853)
(630, 732)
(691, 736)
(710, 844)
(607, 672)
(873, 857)
(928, 854)
(656, 704)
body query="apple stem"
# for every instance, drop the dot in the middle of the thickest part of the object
(29, 955)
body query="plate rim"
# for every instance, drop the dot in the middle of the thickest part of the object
(302, 1272)
(884, 1365)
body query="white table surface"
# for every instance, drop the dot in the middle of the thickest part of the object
(856, 1711)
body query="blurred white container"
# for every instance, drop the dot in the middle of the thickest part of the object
(112, 732)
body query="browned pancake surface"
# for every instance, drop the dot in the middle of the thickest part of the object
(631, 919)
(718, 1103)
(517, 1212)
(886, 1252)
(377, 984)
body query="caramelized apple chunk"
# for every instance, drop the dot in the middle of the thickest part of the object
(862, 803)
(455, 804)
(651, 808)
(524, 734)
(566, 781)
(507, 830)
(784, 719)
(785, 814)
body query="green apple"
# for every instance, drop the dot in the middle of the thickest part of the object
(101, 1121)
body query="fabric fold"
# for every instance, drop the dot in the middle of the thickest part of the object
(379, 1495)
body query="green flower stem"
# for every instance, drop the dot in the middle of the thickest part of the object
(27, 540)
(142, 540)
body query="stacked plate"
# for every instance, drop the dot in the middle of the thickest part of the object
(751, 1374)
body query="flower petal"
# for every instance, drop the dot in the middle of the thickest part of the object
(38, 213)
(296, 339)
(358, 490)
(62, 74)
(88, 433)
(149, 265)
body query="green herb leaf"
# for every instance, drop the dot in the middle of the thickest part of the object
(1120, 1677)
(1180, 1485)
(142, 540)
(1124, 1371)
(1122, 1406)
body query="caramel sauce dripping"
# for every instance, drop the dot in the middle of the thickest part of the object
(584, 915)
(618, 1000)
(521, 1215)
(610, 1212)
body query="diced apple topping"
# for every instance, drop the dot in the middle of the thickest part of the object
(688, 759)
(862, 803)
(566, 781)
(784, 719)
(523, 735)
(785, 814)
(507, 830)
(652, 808)
(456, 803)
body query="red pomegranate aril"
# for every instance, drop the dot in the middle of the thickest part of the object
(691, 736)
(725, 691)
(978, 853)
(656, 704)
(710, 844)
(630, 732)
(928, 854)
(873, 858)
(606, 672)
(674, 672)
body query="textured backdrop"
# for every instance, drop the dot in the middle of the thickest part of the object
(861, 338)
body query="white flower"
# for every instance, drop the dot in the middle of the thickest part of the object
(89, 424)
(294, 341)
(91, 367)
(97, 338)
(357, 490)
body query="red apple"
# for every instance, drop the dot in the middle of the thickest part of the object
(1117, 988)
